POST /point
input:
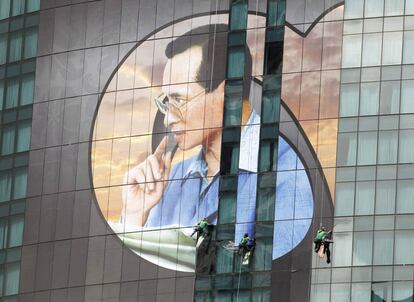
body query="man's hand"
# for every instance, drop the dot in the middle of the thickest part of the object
(146, 183)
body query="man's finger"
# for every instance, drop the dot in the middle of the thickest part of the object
(167, 164)
(155, 167)
(149, 176)
(159, 152)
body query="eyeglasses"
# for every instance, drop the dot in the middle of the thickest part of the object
(163, 102)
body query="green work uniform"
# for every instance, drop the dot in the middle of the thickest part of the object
(202, 224)
(320, 235)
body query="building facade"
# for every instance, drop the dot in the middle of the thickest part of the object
(124, 123)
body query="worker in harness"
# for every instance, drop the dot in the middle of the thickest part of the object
(244, 246)
(322, 239)
(200, 227)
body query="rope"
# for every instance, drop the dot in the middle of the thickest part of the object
(238, 285)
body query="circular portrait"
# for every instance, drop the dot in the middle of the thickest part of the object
(157, 144)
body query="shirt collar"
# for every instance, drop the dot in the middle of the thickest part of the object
(249, 151)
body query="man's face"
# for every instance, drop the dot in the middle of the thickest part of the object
(199, 115)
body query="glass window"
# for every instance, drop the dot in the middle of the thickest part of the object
(354, 9)
(349, 99)
(405, 196)
(224, 260)
(361, 292)
(406, 146)
(390, 97)
(362, 254)
(15, 47)
(409, 7)
(23, 136)
(351, 50)
(387, 147)
(407, 94)
(3, 49)
(227, 207)
(344, 205)
(385, 197)
(20, 183)
(232, 110)
(369, 102)
(30, 43)
(1, 94)
(364, 198)
(403, 291)
(320, 292)
(367, 148)
(347, 148)
(383, 247)
(391, 54)
(7, 142)
(341, 292)
(371, 55)
(394, 7)
(374, 8)
(4, 9)
(270, 107)
(238, 14)
(404, 241)
(16, 231)
(276, 12)
(12, 93)
(342, 253)
(33, 5)
(408, 56)
(17, 7)
(235, 64)
(5, 186)
(381, 291)
(28, 86)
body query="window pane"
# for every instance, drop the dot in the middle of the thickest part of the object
(394, 7)
(383, 247)
(367, 148)
(15, 48)
(238, 15)
(409, 7)
(12, 278)
(344, 205)
(381, 291)
(20, 183)
(224, 260)
(227, 207)
(17, 7)
(408, 56)
(406, 146)
(351, 50)
(320, 293)
(23, 136)
(5, 186)
(349, 100)
(235, 65)
(4, 9)
(232, 110)
(33, 5)
(364, 198)
(347, 148)
(374, 8)
(387, 147)
(407, 96)
(369, 102)
(361, 292)
(1, 94)
(391, 54)
(28, 85)
(7, 146)
(404, 241)
(342, 253)
(16, 231)
(3, 49)
(12, 93)
(30, 44)
(405, 196)
(362, 248)
(372, 49)
(403, 291)
(390, 97)
(340, 292)
(354, 9)
(385, 199)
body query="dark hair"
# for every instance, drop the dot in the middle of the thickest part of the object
(212, 70)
